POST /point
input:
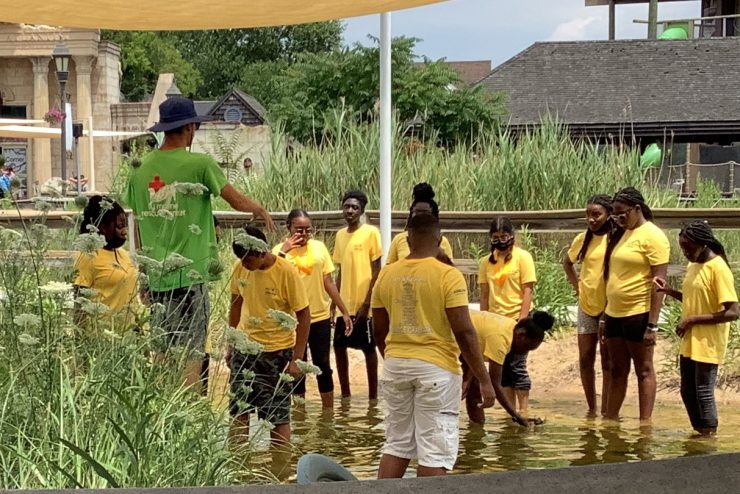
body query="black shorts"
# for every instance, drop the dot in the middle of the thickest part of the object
(631, 328)
(256, 385)
(361, 338)
(514, 373)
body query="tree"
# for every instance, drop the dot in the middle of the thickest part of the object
(221, 55)
(299, 94)
(145, 55)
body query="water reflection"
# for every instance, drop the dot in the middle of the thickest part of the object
(353, 435)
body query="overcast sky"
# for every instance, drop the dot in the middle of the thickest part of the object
(497, 29)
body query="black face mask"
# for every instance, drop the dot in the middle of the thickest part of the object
(115, 243)
(501, 246)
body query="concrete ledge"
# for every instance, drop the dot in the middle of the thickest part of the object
(698, 474)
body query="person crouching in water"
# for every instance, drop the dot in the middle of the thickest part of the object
(422, 325)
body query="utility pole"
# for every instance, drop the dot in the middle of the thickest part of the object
(653, 20)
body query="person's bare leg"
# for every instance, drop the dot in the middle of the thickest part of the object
(340, 354)
(239, 431)
(191, 374)
(371, 365)
(586, 360)
(522, 397)
(510, 395)
(392, 467)
(642, 356)
(327, 400)
(422, 471)
(280, 435)
(606, 377)
(620, 370)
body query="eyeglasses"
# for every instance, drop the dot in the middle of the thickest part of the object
(621, 216)
(304, 231)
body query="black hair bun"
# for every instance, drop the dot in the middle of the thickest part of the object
(423, 192)
(543, 320)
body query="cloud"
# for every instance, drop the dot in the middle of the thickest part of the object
(576, 29)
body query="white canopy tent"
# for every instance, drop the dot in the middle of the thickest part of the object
(217, 14)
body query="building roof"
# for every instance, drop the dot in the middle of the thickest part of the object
(203, 107)
(253, 113)
(471, 71)
(666, 84)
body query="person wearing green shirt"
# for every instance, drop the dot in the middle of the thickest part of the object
(170, 193)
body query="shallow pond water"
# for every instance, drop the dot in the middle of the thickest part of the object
(353, 436)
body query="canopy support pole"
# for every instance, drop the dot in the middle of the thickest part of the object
(386, 136)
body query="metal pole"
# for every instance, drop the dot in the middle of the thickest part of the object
(386, 205)
(653, 20)
(63, 98)
(612, 19)
(77, 165)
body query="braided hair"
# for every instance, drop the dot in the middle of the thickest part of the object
(605, 202)
(536, 325)
(100, 210)
(700, 233)
(632, 197)
(501, 224)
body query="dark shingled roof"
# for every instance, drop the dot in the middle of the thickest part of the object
(597, 83)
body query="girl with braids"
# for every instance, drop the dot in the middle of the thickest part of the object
(635, 254)
(423, 203)
(710, 304)
(109, 271)
(506, 278)
(315, 268)
(588, 250)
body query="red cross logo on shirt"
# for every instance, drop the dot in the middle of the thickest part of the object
(156, 184)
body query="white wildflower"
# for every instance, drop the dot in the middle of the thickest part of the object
(106, 204)
(195, 229)
(148, 263)
(268, 425)
(27, 321)
(91, 228)
(56, 287)
(42, 205)
(250, 243)
(248, 374)
(286, 378)
(247, 390)
(143, 280)
(194, 275)
(166, 214)
(175, 262)
(92, 308)
(307, 368)
(215, 267)
(88, 292)
(193, 189)
(89, 243)
(286, 321)
(27, 339)
(298, 400)
(241, 342)
(254, 321)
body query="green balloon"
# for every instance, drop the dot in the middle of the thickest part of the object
(674, 33)
(653, 156)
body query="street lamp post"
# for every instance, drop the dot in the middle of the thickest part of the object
(61, 57)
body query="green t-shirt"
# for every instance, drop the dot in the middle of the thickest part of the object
(170, 194)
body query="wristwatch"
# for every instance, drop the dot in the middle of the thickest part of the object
(652, 327)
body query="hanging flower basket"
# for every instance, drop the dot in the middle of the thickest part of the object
(54, 116)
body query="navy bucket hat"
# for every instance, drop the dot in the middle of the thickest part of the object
(176, 112)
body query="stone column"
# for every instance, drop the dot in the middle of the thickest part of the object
(39, 166)
(83, 112)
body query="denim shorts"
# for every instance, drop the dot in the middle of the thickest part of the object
(514, 373)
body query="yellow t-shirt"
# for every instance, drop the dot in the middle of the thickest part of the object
(506, 281)
(279, 288)
(399, 248)
(416, 292)
(591, 283)
(355, 252)
(705, 289)
(112, 274)
(630, 280)
(495, 334)
(313, 263)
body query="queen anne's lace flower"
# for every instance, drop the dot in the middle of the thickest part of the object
(254, 321)
(92, 308)
(241, 342)
(194, 275)
(42, 205)
(89, 243)
(56, 287)
(27, 339)
(195, 229)
(250, 243)
(27, 321)
(286, 378)
(286, 321)
(307, 368)
(175, 262)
